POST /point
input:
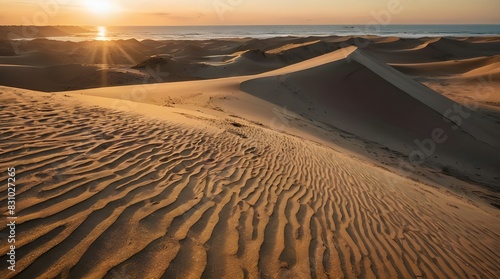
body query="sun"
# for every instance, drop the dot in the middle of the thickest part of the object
(100, 6)
(102, 33)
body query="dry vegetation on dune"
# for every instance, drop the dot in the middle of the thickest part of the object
(276, 158)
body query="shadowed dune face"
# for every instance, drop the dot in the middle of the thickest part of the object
(131, 196)
(348, 95)
(6, 48)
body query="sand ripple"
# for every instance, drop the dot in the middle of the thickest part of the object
(109, 194)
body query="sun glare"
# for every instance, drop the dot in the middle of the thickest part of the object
(102, 33)
(99, 6)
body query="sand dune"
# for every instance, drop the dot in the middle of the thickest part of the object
(67, 77)
(149, 198)
(186, 61)
(491, 69)
(326, 90)
(301, 51)
(6, 48)
(395, 44)
(334, 96)
(287, 165)
(194, 60)
(25, 32)
(463, 48)
(446, 68)
(432, 50)
(127, 52)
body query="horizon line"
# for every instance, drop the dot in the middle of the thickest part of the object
(405, 24)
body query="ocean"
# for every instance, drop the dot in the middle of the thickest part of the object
(262, 31)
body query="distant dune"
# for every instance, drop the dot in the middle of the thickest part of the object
(29, 32)
(245, 158)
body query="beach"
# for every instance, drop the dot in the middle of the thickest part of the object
(280, 157)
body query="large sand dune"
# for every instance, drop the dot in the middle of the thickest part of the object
(389, 108)
(109, 193)
(290, 169)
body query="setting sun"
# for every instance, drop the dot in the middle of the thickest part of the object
(101, 33)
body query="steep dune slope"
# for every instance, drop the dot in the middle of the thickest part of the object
(367, 98)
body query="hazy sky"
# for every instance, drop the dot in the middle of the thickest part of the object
(227, 12)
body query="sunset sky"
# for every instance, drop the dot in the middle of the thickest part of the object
(229, 12)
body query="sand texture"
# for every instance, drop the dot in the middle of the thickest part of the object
(276, 158)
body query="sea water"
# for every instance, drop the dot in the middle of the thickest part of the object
(267, 31)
